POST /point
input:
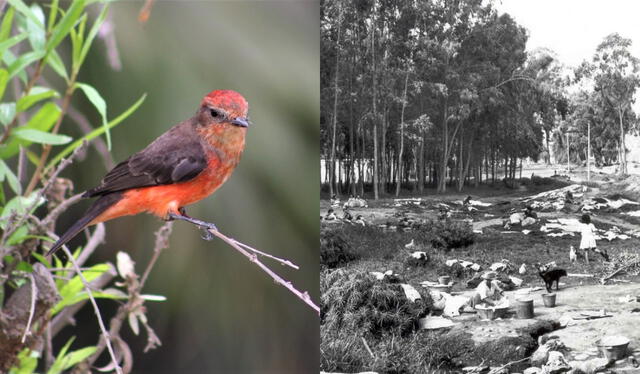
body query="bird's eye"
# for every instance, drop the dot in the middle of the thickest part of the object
(215, 113)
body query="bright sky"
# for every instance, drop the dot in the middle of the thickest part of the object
(574, 28)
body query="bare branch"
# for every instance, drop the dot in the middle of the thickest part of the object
(304, 296)
(32, 309)
(162, 242)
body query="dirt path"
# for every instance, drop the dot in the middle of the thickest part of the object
(579, 335)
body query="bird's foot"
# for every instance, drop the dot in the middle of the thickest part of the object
(204, 226)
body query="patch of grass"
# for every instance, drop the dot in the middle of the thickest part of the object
(372, 242)
(447, 234)
(335, 250)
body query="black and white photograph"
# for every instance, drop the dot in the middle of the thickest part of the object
(480, 186)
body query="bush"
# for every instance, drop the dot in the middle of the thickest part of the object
(448, 234)
(356, 302)
(335, 251)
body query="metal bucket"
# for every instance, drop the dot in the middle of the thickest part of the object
(613, 347)
(524, 308)
(549, 300)
(444, 279)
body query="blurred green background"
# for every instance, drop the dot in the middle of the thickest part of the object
(223, 314)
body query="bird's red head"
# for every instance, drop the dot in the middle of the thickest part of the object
(226, 106)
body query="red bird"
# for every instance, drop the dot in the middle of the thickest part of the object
(184, 165)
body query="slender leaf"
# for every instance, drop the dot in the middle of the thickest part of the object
(7, 112)
(4, 79)
(58, 365)
(36, 31)
(60, 31)
(23, 61)
(11, 178)
(41, 137)
(56, 63)
(11, 42)
(114, 122)
(24, 9)
(92, 34)
(36, 94)
(72, 291)
(53, 13)
(43, 120)
(8, 58)
(77, 356)
(100, 105)
(7, 21)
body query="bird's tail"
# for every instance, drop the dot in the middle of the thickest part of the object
(98, 207)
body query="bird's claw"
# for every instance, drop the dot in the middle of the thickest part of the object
(206, 234)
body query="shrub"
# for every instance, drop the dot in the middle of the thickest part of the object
(448, 234)
(355, 301)
(335, 251)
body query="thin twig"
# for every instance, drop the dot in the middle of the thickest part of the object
(57, 211)
(32, 309)
(162, 242)
(304, 296)
(281, 260)
(95, 239)
(87, 287)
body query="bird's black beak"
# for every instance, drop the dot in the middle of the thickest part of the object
(241, 121)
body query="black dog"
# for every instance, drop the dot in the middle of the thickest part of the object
(550, 276)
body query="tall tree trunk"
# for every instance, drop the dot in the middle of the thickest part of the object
(442, 178)
(332, 176)
(375, 117)
(623, 148)
(421, 167)
(404, 104)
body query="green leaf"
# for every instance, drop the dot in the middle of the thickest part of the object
(73, 291)
(60, 31)
(77, 356)
(4, 79)
(58, 365)
(41, 137)
(27, 362)
(42, 259)
(8, 58)
(56, 63)
(100, 105)
(7, 112)
(23, 61)
(5, 45)
(24, 266)
(20, 204)
(18, 236)
(92, 34)
(43, 120)
(114, 122)
(11, 178)
(36, 94)
(7, 21)
(53, 13)
(36, 31)
(24, 9)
